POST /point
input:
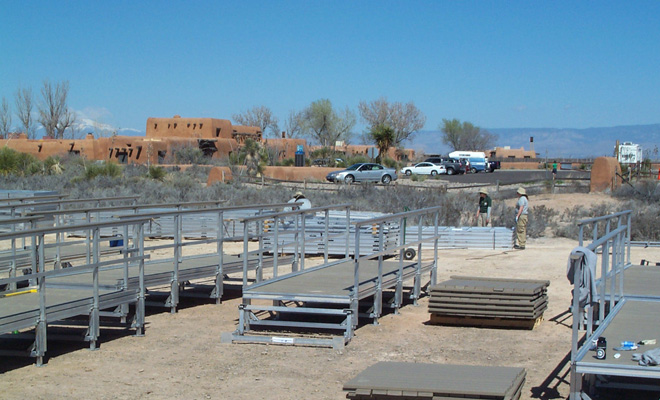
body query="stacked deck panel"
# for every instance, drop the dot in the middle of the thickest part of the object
(486, 301)
(400, 380)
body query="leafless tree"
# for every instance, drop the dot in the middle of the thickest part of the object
(24, 105)
(295, 124)
(54, 114)
(5, 118)
(404, 119)
(260, 116)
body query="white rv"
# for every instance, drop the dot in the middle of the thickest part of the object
(478, 160)
(630, 153)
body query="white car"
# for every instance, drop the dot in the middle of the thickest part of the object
(424, 168)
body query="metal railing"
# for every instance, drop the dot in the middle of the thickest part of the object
(610, 241)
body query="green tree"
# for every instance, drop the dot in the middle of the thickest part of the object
(383, 136)
(327, 126)
(466, 136)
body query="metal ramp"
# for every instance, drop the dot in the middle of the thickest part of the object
(321, 306)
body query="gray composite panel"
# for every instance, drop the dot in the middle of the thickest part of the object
(462, 284)
(160, 272)
(22, 310)
(635, 321)
(440, 379)
(334, 280)
(639, 281)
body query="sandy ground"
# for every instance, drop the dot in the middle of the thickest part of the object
(181, 356)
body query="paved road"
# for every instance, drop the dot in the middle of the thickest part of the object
(511, 176)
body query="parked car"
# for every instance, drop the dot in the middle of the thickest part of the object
(492, 166)
(452, 165)
(363, 172)
(424, 168)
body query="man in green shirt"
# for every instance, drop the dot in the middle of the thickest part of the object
(485, 204)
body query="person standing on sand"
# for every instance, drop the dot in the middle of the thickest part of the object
(554, 170)
(483, 212)
(522, 207)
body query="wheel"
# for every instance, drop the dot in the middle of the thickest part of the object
(434, 173)
(474, 170)
(450, 171)
(349, 179)
(409, 254)
(408, 172)
(386, 179)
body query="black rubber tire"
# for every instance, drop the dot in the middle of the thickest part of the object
(434, 173)
(409, 254)
(349, 179)
(386, 179)
(408, 172)
(450, 171)
(474, 170)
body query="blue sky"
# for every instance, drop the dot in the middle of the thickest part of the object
(496, 64)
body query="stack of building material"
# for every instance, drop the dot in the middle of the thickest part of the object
(469, 301)
(400, 380)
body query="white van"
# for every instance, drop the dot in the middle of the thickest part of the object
(478, 160)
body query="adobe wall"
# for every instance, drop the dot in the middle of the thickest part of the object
(286, 148)
(603, 175)
(281, 173)
(519, 165)
(202, 128)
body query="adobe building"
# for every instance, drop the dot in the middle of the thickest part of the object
(503, 153)
(215, 137)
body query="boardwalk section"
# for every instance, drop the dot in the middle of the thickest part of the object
(617, 301)
(322, 305)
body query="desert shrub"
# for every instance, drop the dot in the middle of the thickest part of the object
(287, 162)
(645, 223)
(14, 162)
(106, 169)
(418, 178)
(357, 159)
(189, 155)
(389, 163)
(646, 190)
(156, 172)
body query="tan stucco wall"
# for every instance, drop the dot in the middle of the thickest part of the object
(198, 128)
(281, 173)
(603, 174)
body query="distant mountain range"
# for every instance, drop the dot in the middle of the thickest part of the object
(557, 142)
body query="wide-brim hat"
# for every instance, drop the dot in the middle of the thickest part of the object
(484, 191)
(298, 194)
(522, 192)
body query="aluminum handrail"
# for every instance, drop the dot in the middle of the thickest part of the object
(67, 202)
(603, 218)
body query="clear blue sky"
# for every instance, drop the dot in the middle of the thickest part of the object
(497, 64)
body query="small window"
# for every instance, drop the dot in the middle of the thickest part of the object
(200, 126)
(155, 126)
(175, 125)
(217, 132)
(188, 125)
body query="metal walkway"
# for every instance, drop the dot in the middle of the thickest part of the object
(49, 299)
(622, 305)
(300, 307)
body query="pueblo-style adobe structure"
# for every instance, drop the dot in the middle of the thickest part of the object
(215, 137)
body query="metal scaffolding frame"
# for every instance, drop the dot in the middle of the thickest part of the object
(54, 295)
(327, 298)
(617, 311)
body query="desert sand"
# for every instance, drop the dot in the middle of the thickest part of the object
(181, 356)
